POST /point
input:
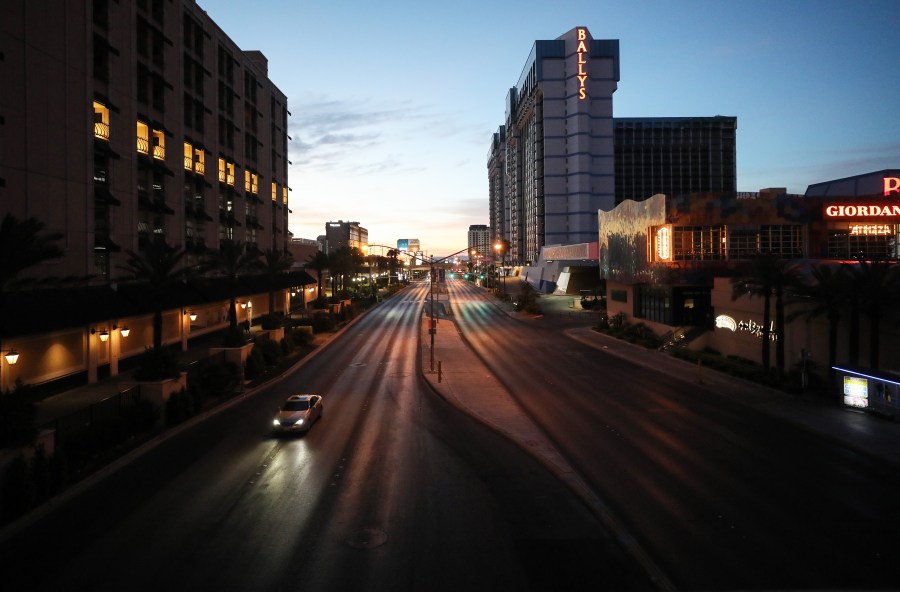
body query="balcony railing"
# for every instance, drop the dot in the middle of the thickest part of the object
(188, 163)
(101, 130)
(159, 152)
(199, 168)
(143, 145)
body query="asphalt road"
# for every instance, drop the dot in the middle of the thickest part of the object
(393, 489)
(722, 497)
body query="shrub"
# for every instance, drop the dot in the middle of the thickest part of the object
(287, 344)
(180, 406)
(17, 416)
(301, 337)
(233, 338)
(140, 417)
(271, 351)
(323, 322)
(157, 364)
(218, 379)
(271, 321)
(255, 365)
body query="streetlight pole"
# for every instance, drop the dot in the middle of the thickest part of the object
(433, 262)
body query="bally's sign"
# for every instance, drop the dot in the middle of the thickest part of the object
(582, 53)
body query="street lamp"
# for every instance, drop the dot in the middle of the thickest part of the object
(12, 356)
(501, 251)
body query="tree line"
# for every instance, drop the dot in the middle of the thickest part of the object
(837, 291)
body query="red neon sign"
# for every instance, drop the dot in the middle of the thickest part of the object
(891, 185)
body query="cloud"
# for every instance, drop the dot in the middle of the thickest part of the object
(350, 136)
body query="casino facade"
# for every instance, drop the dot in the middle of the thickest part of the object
(669, 260)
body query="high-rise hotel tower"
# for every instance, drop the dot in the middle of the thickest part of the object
(555, 151)
(123, 123)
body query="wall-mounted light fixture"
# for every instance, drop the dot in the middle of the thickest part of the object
(243, 305)
(123, 331)
(11, 355)
(104, 334)
(193, 316)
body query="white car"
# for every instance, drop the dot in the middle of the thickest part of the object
(298, 414)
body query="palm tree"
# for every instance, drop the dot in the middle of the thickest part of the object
(274, 263)
(875, 283)
(319, 262)
(232, 260)
(159, 267)
(827, 295)
(23, 245)
(392, 255)
(768, 276)
(345, 261)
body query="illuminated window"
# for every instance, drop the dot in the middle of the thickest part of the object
(159, 145)
(246, 180)
(188, 157)
(226, 172)
(199, 161)
(274, 191)
(284, 191)
(101, 121)
(254, 183)
(143, 138)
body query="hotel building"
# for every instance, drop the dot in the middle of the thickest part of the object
(479, 240)
(138, 121)
(123, 124)
(345, 234)
(555, 150)
(674, 155)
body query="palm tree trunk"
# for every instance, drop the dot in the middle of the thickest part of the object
(874, 337)
(833, 320)
(157, 329)
(766, 333)
(853, 354)
(232, 314)
(779, 333)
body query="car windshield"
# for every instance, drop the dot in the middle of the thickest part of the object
(296, 406)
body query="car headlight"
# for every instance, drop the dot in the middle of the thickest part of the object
(275, 422)
(299, 422)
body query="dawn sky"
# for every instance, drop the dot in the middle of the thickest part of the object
(393, 103)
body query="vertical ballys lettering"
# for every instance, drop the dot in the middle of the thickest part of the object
(582, 64)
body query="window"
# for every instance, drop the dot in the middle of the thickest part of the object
(284, 192)
(226, 172)
(101, 59)
(159, 145)
(188, 157)
(274, 191)
(143, 138)
(199, 161)
(251, 182)
(101, 121)
(698, 243)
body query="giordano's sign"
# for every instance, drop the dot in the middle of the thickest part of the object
(882, 210)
